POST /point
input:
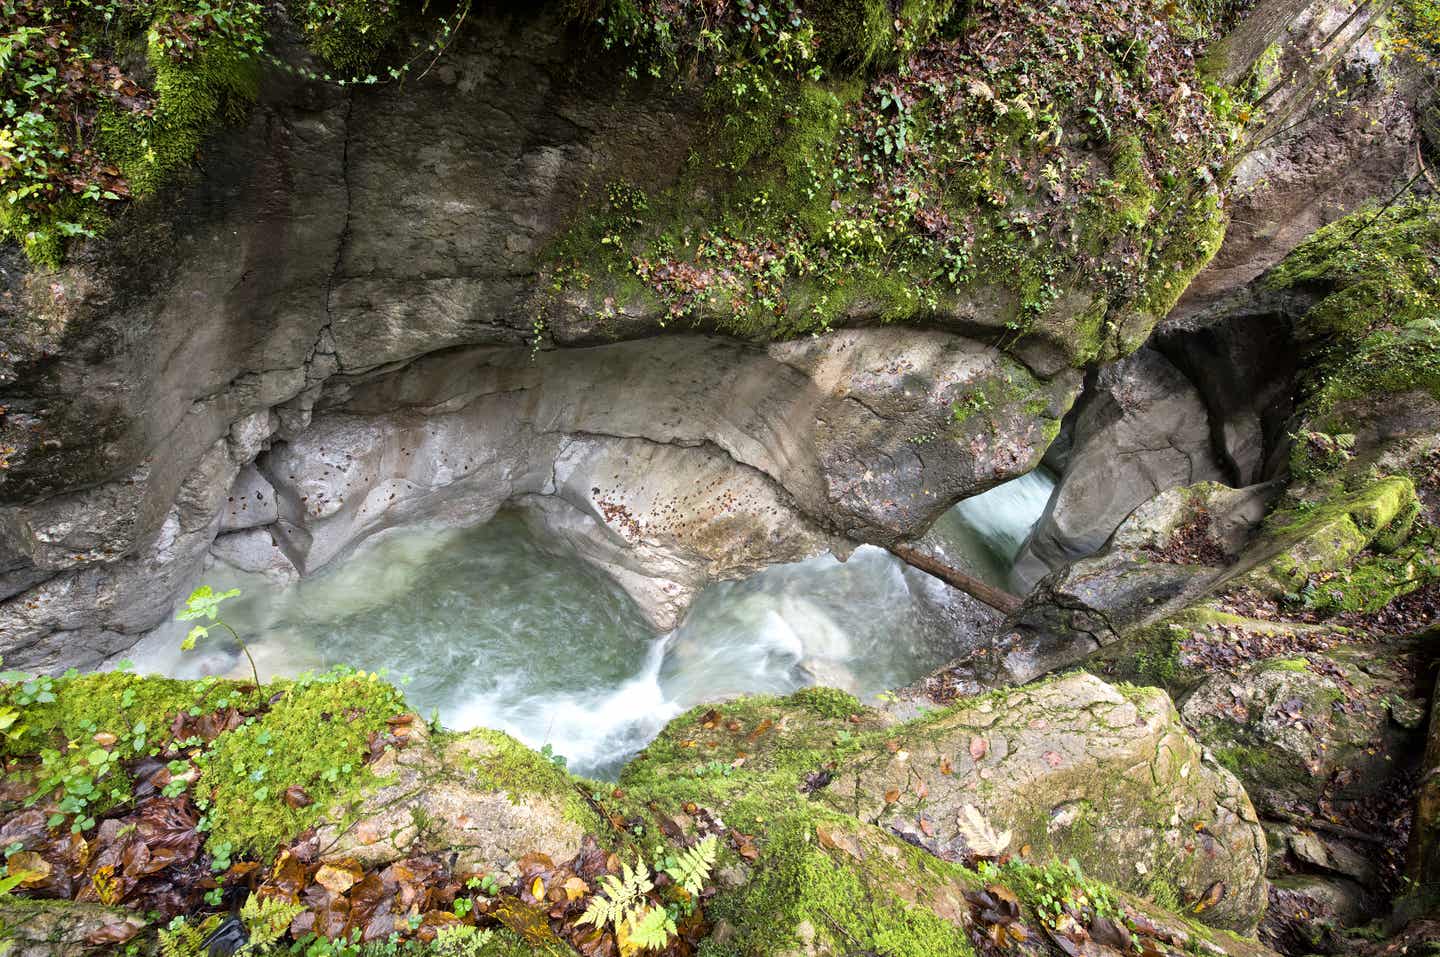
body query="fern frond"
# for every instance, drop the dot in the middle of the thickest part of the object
(624, 896)
(692, 867)
(181, 939)
(460, 941)
(266, 919)
(652, 929)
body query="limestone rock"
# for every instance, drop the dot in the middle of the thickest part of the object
(1073, 768)
(251, 502)
(1296, 729)
(1134, 582)
(256, 550)
(481, 796)
(1142, 430)
(36, 928)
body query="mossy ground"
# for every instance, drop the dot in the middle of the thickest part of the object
(316, 736)
(909, 179)
(814, 873)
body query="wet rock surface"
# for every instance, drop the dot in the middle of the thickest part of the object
(1074, 768)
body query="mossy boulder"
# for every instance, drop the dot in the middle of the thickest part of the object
(479, 795)
(1298, 728)
(36, 928)
(1072, 767)
(1078, 768)
(1308, 538)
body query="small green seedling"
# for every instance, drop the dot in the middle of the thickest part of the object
(204, 603)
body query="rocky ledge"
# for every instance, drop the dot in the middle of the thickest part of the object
(1072, 814)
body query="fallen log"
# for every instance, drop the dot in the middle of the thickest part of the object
(999, 599)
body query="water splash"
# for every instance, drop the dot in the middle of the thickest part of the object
(493, 629)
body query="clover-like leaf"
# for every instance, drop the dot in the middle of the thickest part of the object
(196, 633)
(204, 603)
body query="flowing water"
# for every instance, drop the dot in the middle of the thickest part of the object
(490, 627)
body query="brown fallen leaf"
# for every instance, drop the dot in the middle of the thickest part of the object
(576, 888)
(979, 747)
(892, 795)
(946, 768)
(297, 797)
(337, 879)
(1053, 758)
(30, 867)
(115, 933)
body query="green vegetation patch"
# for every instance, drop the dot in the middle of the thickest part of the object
(316, 736)
(104, 101)
(956, 153)
(1376, 327)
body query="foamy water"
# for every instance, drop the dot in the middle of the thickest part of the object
(489, 627)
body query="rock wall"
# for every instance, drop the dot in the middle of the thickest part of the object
(344, 234)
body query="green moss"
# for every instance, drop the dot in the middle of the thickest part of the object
(116, 702)
(1289, 664)
(503, 764)
(1311, 536)
(1192, 236)
(800, 895)
(192, 98)
(316, 736)
(896, 200)
(856, 34)
(1373, 581)
(827, 702)
(1373, 329)
(349, 34)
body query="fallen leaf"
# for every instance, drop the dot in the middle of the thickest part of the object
(31, 868)
(537, 889)
(576, 888)
(979, 747)
(116, 933)
(297, 797)
(892, 795)
(978, 833)
(337, 879)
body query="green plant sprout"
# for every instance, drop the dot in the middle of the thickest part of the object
(204, 603)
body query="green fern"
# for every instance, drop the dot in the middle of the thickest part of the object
(181, 939)
(460, 941)
(652, 930)
(624, 897)
(692, 868)
(266, 919)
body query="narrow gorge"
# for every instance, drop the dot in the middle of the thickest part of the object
(603, 477)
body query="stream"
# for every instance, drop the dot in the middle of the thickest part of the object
(491, 626)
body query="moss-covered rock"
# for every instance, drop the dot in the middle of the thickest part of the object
(34, 928)
(1301, 727)
(481, 796)
(1074, 768)
(919, 173)
(1309, 539)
